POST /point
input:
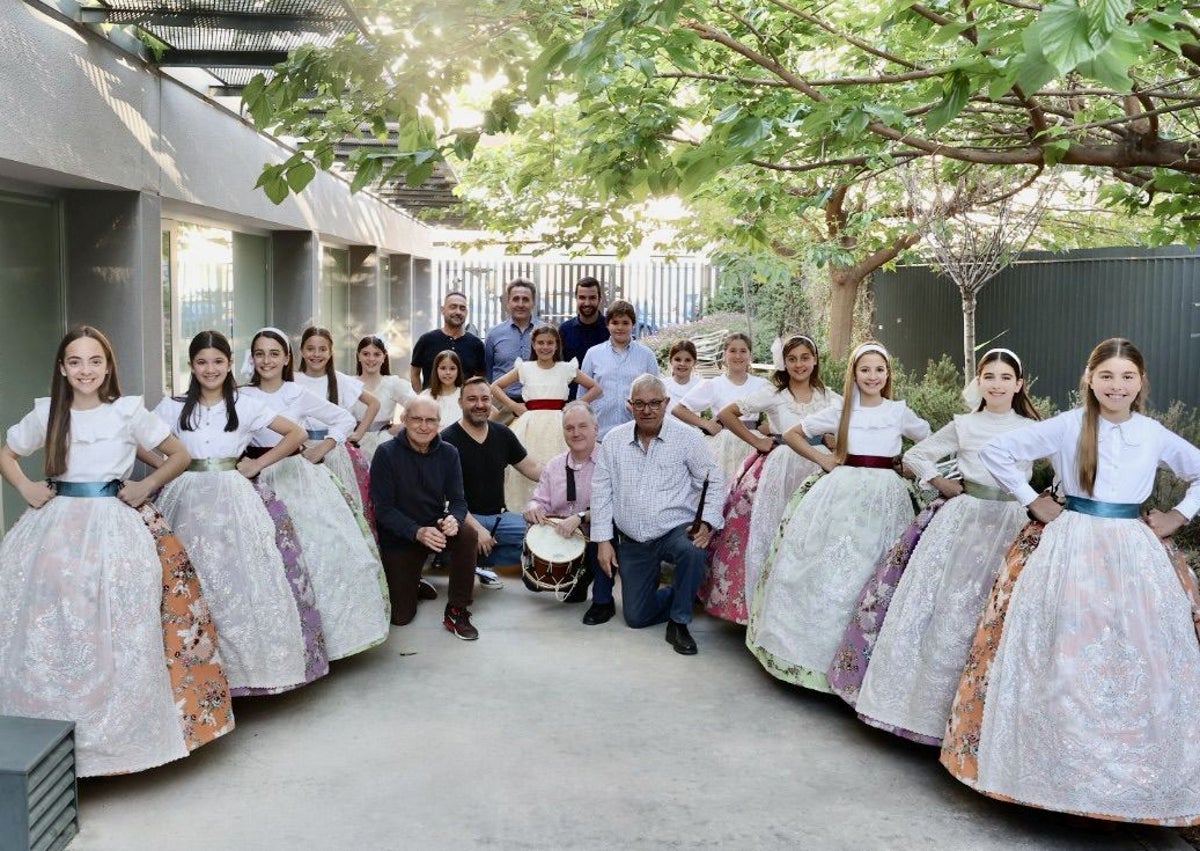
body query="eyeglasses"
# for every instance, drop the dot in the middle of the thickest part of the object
(647, 404)
(427, 422)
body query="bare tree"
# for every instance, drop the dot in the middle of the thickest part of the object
(974, 245)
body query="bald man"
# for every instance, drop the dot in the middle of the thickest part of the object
(413, 479)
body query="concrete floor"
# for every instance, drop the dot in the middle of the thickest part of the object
(548, 734)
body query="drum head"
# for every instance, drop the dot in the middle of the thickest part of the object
(545, 543)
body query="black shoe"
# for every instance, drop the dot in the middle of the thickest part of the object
(679, 638)
(599, 613)
(426, 591)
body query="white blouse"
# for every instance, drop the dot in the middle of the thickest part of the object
(781, 407)
(103, 440)
(207, 437)
(877, 430)
(349, 389)
(300, 406)
(966, 435)
(391, 391)
(1128, 454)
(539, 383)
(713, 394)
(677, 391)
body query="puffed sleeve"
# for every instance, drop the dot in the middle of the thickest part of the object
(147, 429)
(699, 398)
(1184, 460)
(759, 400)
(333, 417)
(1003, 455)
(349, 389)
(29, 435)
(922, 459)
(824, 421)
(253, 414)
(911, 425)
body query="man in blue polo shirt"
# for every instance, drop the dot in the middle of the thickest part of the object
(512, 338)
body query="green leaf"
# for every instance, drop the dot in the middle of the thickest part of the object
(366, 174)
(300, 175)
(272, 182)
(1056, 150)
(954, 98)
(1111, 65)
(418, 174)
(1106, 15)
(1064, 34)
(667, 12)
(749, 132)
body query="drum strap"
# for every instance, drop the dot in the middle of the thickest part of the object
(570, 484)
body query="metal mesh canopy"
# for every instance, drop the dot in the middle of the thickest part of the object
(233, 40)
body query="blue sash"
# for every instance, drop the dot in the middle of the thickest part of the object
(1121, 510)
(87, 489)
(318, 433)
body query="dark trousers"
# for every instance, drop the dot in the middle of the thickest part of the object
(402, 566)
(643, 603)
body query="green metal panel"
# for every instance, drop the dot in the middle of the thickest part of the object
(1052, 309)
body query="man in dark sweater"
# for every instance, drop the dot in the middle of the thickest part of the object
(587, 327)
(417, 490)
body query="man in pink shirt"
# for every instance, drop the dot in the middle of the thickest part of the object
(565, 490)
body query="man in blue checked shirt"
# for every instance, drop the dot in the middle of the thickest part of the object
(647, 508)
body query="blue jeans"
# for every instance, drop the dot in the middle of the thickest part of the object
(643, 603)
(509, 531)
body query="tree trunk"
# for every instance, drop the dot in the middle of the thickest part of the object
(968, 311)
(843, 295)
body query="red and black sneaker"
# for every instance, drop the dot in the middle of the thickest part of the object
(458, 621)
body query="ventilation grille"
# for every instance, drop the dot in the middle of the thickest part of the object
(39, 804)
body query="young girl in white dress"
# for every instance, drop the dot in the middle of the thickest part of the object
(445, 386)
(259, 609)
(832, 536)
(713, 394)
(919, 651)
(1081, 691)
(545, 385)
(347, 576)
(682, 358)
(768, 478)
(392, 391)
(101, 617)
(317, 375)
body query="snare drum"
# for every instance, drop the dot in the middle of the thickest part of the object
(551, 562)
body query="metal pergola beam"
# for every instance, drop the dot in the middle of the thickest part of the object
(240, 21)
(223, 58)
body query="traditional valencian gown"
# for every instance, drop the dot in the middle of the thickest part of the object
(347, 576)
(539, 429)
(260, 592)
(713, 394)
(830, 539)
(756, 502)
(919, 652)
(102, 621)
(391, 391)
(1081, 692)
(347, 463)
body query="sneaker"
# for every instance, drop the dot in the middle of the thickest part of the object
(426, 591)
(458, 621)
(489, 579)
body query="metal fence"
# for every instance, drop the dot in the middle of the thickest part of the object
(1052, 309)
(664, 292)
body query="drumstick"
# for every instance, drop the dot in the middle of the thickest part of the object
(694, 529)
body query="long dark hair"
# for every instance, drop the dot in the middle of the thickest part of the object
(781, 377)
(432, 383)
(58, 428)
(1087, 453)
(209, 340)
(1021, 402)
(385, 368)
(272, 334)
(331, 388)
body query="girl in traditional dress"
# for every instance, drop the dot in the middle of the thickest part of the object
(392, 391)
(1081, 691)
(682, 378)
(101, 617)
(916, 658)
(317, 375)
(713, 394)
(545, 385)
(260, 595)
(768, 478)
(833, 534)
(445, 386)
(347, 576)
